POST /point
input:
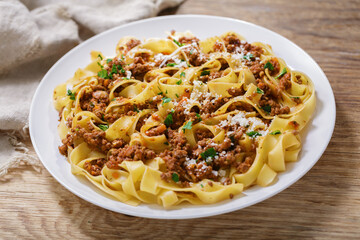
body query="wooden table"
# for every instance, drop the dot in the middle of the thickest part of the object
(324, 204)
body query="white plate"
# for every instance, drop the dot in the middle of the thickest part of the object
(44, 118)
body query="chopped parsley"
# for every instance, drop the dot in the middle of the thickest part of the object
(201, 185)
(295, 97)
(103, 127)
(188, 125)
(70, 94)
(198, 117)
(282, 73)
(269, 66)
(108, 60)
(177, 43)
(103, 74)
(99, 56)
(191, 51)
(253, 134)
(182, 74)
(276, 132)
(165, 100)
(114, 99)
(136, 109)
(179, 82)
(209, 153)
(177, 95)
(166, 143)
(267, 108)
(171, 64)
(122, 56)
(175, 177)
(258, 90)
(205, 72)
(160, 93)
(101, 66)
(168, 120)
(248, 57)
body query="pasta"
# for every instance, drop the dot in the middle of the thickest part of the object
(180, 119)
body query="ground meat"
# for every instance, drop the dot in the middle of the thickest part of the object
(177, 140)
(234, 92)
(276, 66)
(231, 43)
(188, 40)
(244, 166)
(257, 68)
(63, 149)
(241, 106)
(95, 138)
(156, 131)
(218, 47)
(95, 100)
(214, 104)
(195, 56)
(134, 152)
(139, 68)
(201, 134)
(132, 43)
(94, 167)
(285, 81)
(208, 77)
(276, 109)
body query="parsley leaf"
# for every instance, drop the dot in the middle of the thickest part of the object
(165, 100)
(166, 143)
(170, 64)
(71, 94)
(175, 177)
(269, 66)
(114, 99)
(248, 57)
(206, 72)
(295, 97)
(177, 95)
(191, 51)
(103, 74)
(258, 90)
(267, 108)
(122, 56)
(182, 74)
(188, 125)
(99, 56)
(201, 185)
(284, 71)
(179, 82)
(168, 120)
(275, 132)
(210, 152)
(103, 127)
(198, 117)
(136, 109)
(253, 134)
(177, 43)
(108, 60)
(101, 66)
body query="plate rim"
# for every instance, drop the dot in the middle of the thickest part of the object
(296, 178)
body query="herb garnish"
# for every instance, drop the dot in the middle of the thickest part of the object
(168, 120)
(103, 127)
(108, 60)
(269, 66)
(171, 64)
(210, 152)
(267, 108)
(177, 95)
(248, 57)
(258, 90)
(198, 117)
(175, 177)
(71, 94)
(205, 72)
(136, 109)
(99, 56)
(182, 74)
(177, 43)
(253, 134)
(188, 125)
(103, 74)
(179, 82)
(165, 100)
(276, 132)
(282, 73)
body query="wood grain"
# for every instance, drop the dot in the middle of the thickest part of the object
(324, 204)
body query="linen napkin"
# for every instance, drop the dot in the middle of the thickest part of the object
(34, 34)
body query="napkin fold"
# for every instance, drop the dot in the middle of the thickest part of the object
(34, 34)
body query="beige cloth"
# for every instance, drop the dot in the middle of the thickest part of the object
(36, 33)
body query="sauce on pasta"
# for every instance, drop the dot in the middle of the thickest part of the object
(180, 119)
